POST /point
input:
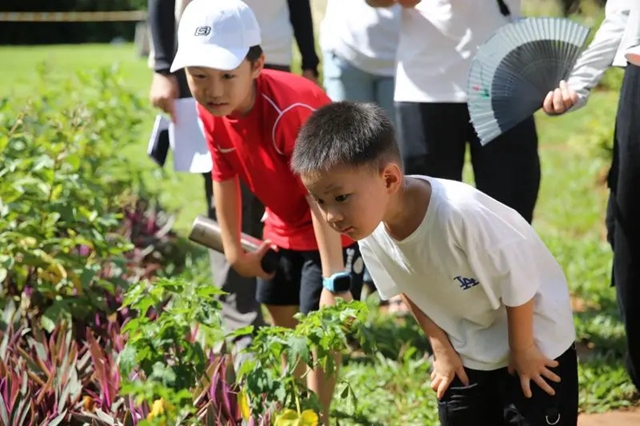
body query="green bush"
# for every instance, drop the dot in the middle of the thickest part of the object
(69, 198)
(170, 363)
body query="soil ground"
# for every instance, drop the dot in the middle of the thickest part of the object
(611, 418)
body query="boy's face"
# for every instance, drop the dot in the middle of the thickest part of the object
(223, 93)
(354, 200)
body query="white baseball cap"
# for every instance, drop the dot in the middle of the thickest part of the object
(215, 34)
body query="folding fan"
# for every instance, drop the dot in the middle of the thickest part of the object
(516, 67)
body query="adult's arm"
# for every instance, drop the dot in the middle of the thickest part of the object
(162, 23)
(599, 56)
(302, 23)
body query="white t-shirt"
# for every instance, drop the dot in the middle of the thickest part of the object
(364, 36)
(470, 258)
(438, 38)
(275, 29)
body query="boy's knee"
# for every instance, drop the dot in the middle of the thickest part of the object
(283, 316)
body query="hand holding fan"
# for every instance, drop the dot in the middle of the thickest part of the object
(516, 67)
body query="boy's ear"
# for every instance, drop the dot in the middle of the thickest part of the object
(257, 66)
(392, 175)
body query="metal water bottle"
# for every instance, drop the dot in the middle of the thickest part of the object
(207, 232)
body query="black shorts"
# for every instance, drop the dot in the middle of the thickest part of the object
(496, 398)
(298, 279)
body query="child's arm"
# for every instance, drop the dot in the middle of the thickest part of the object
(525, 357)
(447, 363)
(228, 206)
(330, 248)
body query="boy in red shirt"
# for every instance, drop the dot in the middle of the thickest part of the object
(251, 118)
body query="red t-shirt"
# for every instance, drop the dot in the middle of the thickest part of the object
(258, 147)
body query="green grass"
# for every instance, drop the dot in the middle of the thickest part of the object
(393, 386)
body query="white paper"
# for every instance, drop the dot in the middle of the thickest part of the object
(190, 152)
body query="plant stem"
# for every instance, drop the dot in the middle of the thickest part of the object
(295, 395)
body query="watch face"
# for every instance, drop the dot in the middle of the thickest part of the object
(342, 283)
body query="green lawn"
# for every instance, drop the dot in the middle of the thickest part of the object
(393, 386)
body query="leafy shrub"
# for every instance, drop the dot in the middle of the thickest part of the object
(56, 380)
(271, 385)
(171, 361)
(76, 223)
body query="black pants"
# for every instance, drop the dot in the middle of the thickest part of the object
(623, 215)
(433, 139)
(495, 398)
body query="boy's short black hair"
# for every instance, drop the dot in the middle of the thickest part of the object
(345, 133)
(254, 53)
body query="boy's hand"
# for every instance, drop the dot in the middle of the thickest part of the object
(531, 364)
(446, 366)
(249, 264)
(560, 100)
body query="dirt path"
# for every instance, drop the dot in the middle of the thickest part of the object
(612, 418)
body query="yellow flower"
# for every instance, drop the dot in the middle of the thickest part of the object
(308, 418)
(292, 418)
(243, 402)
(157, 408)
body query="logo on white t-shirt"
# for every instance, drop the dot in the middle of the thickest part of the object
(466, 283)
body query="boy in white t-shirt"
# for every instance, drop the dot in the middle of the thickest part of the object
(487, 292)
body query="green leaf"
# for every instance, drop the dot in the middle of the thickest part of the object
(299, 347)
(242, 331)
(127, 359)
(209, 291)
(345, 392)
(47, 323)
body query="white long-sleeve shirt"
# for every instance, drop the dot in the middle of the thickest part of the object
(618, 34)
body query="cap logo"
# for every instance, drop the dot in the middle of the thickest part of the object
(203, 31)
